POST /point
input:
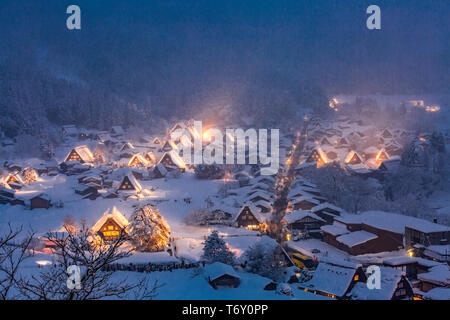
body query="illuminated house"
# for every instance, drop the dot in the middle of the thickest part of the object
(111, 224)
(171, 160)
(150, 157)
(138, 160)
(80, 154)
(318, 156)
(353, 158)
(249, 217)
(130, 183)
(14, 180)
(334, 278)
(381, 156)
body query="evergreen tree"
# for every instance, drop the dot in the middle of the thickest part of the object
(216, 250)
(149, 231)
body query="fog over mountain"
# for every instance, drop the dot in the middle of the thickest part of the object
(136, 59)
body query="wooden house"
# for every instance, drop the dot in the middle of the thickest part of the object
(138, 161)
(304, 203)
(334, 278)
(171, 160)
(260, 195)
(14, 180)
(220, 275)
(318, 156)
(381, 157)
(80, 154)
(428, 234)
(249, 217)
(437, 277)
(40, 201)
(303, 220)
(111, 225)
(353, 158)
(327, 211)
(394, 286)
(129, 183)
(150, 157)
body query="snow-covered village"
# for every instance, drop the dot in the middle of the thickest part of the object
(345, 197)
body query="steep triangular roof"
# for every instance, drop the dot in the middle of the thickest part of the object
(171, 158)
(114, 214)
(138, 159)
(253, 210)
(129, 180)
(81, 153)
(353, 158)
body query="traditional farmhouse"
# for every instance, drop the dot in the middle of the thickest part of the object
(334, 278)
(138, 161)
(220, 275)
(171, 160)
(249, 217)
(353, 158)
(318, 156)
(129, 183)
(394, 286)
(303, 221)
(111, 225)
(80, 154)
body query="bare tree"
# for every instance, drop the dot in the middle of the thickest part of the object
(13, 252)
(87, 253)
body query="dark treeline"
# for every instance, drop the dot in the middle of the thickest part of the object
(139, 60)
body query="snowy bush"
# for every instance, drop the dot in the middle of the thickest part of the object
(263, 260)
(217, 250)
(284, 288)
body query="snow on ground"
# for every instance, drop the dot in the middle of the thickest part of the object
(182, 284)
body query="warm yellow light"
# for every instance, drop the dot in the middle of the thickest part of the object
(432, 108)
(422, 139)
(411, 253)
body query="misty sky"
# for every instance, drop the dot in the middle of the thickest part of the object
(151, 45)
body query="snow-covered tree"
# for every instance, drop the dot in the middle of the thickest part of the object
(263, 260)
(217, 250)
(149, 231)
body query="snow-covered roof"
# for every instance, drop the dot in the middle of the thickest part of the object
(390, 279)
(438, 293)
(218, 269)
(404, 260)
(298, 215)
(114, 214)
(140, 158)
(329, 278)
(439, 275)
(326, 205)
(392, 222)
(254, 210)
(309, 199)
(355, 238)
(176, 159)
(135, 183)
(84, 153)
(260, 194)
(334, 229)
